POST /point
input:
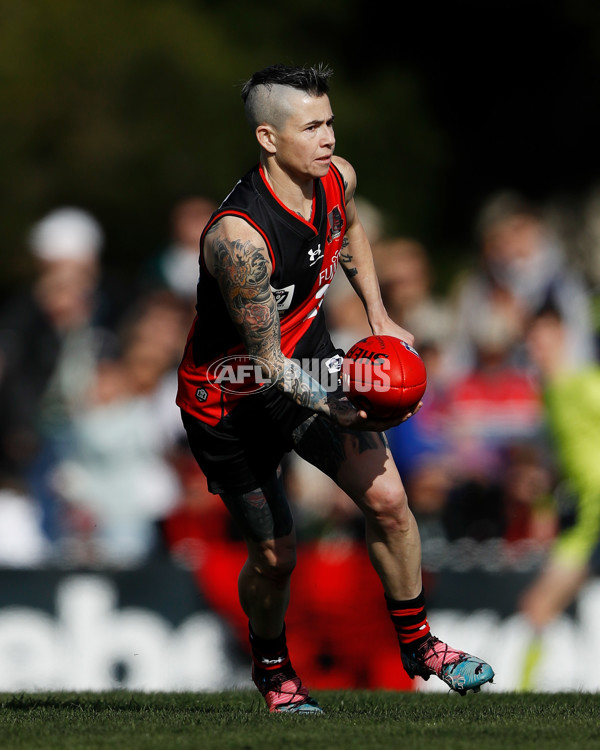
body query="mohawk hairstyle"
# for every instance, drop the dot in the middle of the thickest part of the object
(313, 80)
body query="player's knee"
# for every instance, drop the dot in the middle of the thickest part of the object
(279, 569)
(388, 509)
(277, 562)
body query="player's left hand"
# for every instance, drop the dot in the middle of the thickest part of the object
(387, 327)
(381, 425)
(347, 415)
(369, 424)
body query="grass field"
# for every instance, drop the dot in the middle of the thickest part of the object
(239, 721)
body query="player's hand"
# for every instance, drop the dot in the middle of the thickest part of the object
(381, 425)
(347, 415)
(387, 327)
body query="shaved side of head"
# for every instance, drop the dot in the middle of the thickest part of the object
(269, 94)
(270, 105)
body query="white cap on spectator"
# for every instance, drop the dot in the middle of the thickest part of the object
(67, 233)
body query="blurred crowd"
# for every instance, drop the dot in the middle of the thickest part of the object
(90, 436)
(94, 465)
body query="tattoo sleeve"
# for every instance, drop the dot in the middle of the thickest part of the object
(242, 272)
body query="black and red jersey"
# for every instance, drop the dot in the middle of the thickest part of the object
(304, 257)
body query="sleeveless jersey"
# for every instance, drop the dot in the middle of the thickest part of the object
(304, 258)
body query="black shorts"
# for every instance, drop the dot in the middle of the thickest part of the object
(246, 447)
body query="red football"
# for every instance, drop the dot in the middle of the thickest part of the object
(384, 376)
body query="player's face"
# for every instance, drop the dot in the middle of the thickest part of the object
(306, 141)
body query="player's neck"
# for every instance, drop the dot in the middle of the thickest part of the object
(296, 194)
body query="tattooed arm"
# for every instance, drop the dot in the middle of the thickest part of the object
(236, 256)
(356, 259)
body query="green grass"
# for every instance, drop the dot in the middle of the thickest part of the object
(354, 719)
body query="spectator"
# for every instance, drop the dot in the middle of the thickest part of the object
(530, 512)
(51, 335)
(406, 278)
(516, 506)
(522, 264)
(153, 333)
(497, 402)
(119, 481)
(176, 267)
(494, 415)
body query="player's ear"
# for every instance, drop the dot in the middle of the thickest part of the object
(266, 138)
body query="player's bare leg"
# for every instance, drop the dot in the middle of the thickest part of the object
(361, 464)
(264, 584)
(264, 591)
(392, 534)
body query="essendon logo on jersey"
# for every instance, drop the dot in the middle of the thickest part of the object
(336, 222)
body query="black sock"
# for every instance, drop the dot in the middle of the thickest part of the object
(269, 653)
(410, 621)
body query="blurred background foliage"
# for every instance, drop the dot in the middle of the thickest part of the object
(124, 106)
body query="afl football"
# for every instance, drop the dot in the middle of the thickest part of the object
(384, 376)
